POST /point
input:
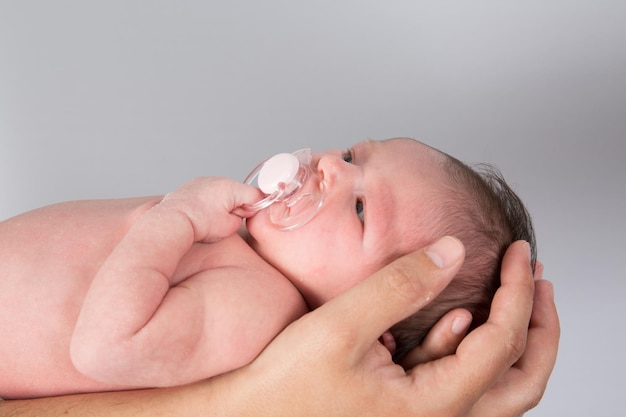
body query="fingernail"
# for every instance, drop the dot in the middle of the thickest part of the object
(527, 248)
(445, 252)
(460, 324)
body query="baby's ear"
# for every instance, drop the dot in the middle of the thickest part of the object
(388, 341)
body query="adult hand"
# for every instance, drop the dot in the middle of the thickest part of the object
(329, 363)
(522, 386)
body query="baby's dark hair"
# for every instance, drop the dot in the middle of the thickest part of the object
(478, 207)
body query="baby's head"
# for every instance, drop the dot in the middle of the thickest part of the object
(477, 206)
(385, 199)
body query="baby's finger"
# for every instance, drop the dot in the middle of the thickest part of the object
(242, 196)
(393, 293)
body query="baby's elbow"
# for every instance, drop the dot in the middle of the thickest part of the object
(93, 358)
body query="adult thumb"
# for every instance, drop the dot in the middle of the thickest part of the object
(394, 292)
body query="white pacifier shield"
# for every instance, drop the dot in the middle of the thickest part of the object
(280, 168)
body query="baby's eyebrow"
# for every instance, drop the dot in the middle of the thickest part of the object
(360, 150)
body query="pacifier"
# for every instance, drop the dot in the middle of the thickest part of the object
(294, 192)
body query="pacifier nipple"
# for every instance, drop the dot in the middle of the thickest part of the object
(294, 191)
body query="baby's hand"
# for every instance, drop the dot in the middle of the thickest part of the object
(210, 204)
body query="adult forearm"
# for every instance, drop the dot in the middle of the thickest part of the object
(141, 403)
(221, 396)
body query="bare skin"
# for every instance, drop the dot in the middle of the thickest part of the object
(323, 373)
(222, 289)
(163, 291)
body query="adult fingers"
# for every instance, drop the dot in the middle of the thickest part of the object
(537, 362)
(393, 293)
(447, 334)
(522, 387)
(511, 309)
(441, 340)
(538, 271)
(490, 350)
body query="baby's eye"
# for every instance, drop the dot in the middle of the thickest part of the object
(359, 210)
(347, 156)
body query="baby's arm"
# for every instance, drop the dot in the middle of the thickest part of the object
(134, 320)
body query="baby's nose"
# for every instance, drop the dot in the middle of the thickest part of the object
(332, 167)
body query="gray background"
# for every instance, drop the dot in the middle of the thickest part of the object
(122, 98)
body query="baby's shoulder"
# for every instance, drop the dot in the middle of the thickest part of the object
(69, 237)
(78, 217)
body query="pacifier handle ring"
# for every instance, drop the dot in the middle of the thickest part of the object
(266, 202)
(302, 155)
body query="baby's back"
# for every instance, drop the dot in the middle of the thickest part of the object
(48, 258)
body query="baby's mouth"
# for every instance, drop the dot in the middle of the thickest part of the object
(293, 187)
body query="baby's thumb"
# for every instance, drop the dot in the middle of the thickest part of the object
(244, 198)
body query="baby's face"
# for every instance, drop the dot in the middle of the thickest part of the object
(379, 197)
